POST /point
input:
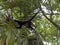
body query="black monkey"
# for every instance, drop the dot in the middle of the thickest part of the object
(20, 23)
(28, 23)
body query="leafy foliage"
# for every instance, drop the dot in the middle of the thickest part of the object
(23, 10)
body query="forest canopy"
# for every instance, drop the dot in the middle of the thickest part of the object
(46, 22)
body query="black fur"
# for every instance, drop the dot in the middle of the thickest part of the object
(28, 23)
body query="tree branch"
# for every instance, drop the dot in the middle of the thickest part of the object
(49, 19)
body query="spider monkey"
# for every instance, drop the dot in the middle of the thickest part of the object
(28, 23)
